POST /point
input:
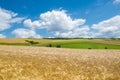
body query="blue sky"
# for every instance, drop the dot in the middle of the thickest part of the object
(59, 18)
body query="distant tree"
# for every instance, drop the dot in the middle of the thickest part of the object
(32, 42)
(113, 38)
(90, 38)
(26, 40)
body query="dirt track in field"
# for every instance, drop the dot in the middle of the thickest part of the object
(40, 63)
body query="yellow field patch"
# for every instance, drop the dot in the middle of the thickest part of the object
(40, 63)
(107, 41)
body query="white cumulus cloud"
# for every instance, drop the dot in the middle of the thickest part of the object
(2, 36)
(25, 33)
(59, 23)
(33, 25)
(55, 20)
(7, 18)
(80, 32)
(107, 28)
(116, 1)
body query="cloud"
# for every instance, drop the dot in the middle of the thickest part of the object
(7, 18)
(55, 20)
(107, 28)
(34, 24)
(59, 23)
(2, 36)
(25, 33)
(80, 32)
(116, 1)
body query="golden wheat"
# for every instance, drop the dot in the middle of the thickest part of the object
(39, 63)
(22, 40)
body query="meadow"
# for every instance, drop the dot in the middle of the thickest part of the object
(44, 63)
(65, 43)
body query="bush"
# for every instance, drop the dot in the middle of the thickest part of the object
(106, 48)
(49, 45)
(58, 46)
(89, 48)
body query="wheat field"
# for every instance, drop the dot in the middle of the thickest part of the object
(40, 63)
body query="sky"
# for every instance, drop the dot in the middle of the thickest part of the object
(59, 18)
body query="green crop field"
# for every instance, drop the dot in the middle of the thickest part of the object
(66, 43)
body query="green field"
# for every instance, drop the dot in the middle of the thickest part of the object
(66, 43)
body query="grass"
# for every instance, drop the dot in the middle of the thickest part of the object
(92, 45)
(83, 44)
(40, 63)
(66, 43)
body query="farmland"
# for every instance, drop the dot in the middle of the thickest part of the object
(42, 63)
(66, 43)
